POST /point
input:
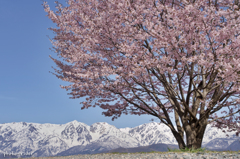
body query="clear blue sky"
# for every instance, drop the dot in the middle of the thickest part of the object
(28, 92)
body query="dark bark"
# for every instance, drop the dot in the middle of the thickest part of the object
(181, 143)
(194, 135)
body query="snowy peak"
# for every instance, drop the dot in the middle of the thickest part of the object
(108, 134)
(76, 123)
(51, 139)
(102, 128)
(152, 133)
(76, 133)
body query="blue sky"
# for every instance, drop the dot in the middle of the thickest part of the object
(28, 92)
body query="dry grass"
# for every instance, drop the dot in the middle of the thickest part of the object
(169, 150)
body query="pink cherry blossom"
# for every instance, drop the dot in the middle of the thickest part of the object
(179, 57)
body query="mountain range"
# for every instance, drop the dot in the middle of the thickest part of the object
(42, 140)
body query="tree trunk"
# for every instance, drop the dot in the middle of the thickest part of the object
(194, 135)
(194, 141)
(178, 137)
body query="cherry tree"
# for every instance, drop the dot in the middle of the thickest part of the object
(153, 57)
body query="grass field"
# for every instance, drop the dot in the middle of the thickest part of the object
(169, 150)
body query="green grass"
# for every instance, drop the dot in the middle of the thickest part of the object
(187, 150)
(198, 150)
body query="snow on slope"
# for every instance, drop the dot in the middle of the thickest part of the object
(125, 130)
(51, 139)
(214, 133)
(152, 133)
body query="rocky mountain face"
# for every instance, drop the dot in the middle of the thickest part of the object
(41, 140)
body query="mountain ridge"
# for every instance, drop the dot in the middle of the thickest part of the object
(42, 140)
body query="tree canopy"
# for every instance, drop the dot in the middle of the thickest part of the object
(153, 57)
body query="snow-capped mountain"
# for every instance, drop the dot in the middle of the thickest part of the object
(75, 137)
(220, 143)
(213, 134)
(151, 133)
(51, 139)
